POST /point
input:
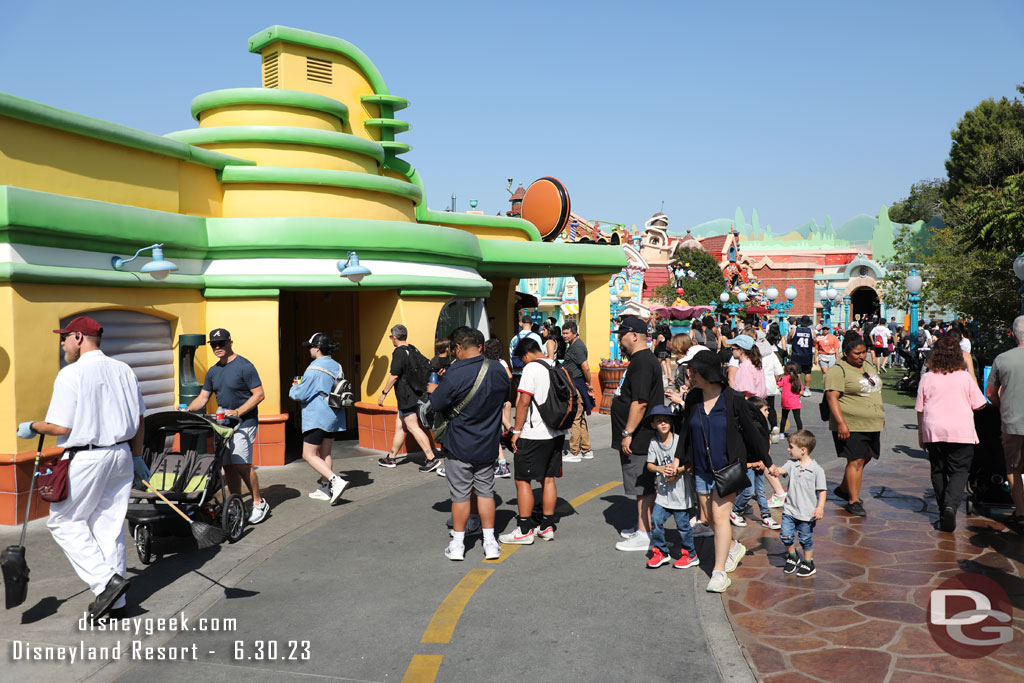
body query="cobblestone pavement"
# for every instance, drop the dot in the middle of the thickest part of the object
(862, 617)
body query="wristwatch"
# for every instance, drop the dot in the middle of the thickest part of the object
(626, 433)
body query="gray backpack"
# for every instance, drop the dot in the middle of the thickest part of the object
(340, 395)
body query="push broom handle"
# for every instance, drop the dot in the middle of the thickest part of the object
(161, 496)
(31, 488)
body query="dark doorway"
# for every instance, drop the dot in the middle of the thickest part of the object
(864, 303)
(302, 314)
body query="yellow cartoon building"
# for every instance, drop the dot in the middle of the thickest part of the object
(258, 208)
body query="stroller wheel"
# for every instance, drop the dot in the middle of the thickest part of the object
(233, 517)
(144, 543)
(970, 506)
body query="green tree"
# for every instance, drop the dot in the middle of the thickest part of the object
(702, 289)
(988, 146)
(922, 204)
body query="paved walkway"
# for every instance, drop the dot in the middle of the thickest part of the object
(862, 617)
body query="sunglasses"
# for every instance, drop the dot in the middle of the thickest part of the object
(63, 336)
(869, 378)
(218, 344)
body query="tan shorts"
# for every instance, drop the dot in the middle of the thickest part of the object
(1013, 450)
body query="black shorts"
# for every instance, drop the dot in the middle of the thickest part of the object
(882, 351)
(535, 460)
(805, 369)
(860, 445)
(317, 436)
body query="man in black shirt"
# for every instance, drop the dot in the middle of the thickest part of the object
(641, 389)
(403, 360)
(575, 363)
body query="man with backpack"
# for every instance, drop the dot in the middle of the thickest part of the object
(525, 331)
(802, 340)
(409, 373)
(547, 404)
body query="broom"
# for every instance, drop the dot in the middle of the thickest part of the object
(206, 535)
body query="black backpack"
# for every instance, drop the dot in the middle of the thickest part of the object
(341, 390)
(418, 371)
(559, 409)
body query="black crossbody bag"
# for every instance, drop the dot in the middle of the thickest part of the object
(730, 479)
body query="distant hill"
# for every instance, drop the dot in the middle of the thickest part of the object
(858, 230)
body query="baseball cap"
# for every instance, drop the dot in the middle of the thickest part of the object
(219, 334)
(632, 325)
(740, 340)
(691, 352)
(318, 339)
(83, 324)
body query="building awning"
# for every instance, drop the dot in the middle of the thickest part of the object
(570, 309)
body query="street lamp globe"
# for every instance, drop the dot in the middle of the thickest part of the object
(1018, 267)
(913, 282)
(771, 293)
(613, 299)
(790, 292)
(724, 297)
(831, 293)
(742, 296)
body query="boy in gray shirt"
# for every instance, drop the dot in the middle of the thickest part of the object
(805, 502)
(673, 498)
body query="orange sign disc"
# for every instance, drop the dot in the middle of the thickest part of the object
(546, 205)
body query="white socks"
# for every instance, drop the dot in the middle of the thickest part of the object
(488, 534)
(459, 537)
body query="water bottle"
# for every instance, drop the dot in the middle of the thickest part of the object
(434, 379)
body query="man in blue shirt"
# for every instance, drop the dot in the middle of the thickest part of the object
(470, 442)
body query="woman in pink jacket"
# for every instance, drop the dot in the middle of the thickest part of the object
(946, 398)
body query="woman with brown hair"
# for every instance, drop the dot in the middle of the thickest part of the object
(946, 398)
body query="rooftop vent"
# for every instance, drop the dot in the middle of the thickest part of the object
(270, 70)
(318, 70)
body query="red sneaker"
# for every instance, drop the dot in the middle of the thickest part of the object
(686, 560)
(657, 559)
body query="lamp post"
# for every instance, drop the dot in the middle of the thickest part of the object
(846, 311)
(617, 304)
(733, 308)
(828, 296)
(913, 285)
(783, 307)
(1018, 270)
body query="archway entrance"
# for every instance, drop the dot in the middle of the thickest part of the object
(864, 303)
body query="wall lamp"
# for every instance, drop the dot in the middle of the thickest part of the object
(159, 268)
(351, 269)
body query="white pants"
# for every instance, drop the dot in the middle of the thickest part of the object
(89, 524)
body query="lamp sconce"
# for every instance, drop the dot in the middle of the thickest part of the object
(159, 268)
(351, 269)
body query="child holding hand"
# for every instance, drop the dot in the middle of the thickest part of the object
(673, 497)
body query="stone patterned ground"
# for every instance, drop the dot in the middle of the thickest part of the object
(862, 617)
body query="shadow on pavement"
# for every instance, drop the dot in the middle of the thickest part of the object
(620, 512)
(46, 607)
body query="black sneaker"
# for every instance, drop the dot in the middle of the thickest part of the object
(792, 562)
(387, 461)
(805, 569)
(856, 509)
(839, 493)
(430, 465)
(947, 522)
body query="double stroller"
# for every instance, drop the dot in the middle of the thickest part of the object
(912, 377)
(184, 453)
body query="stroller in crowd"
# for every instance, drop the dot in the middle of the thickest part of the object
(987, 484)
(184, 453)
(912, 377)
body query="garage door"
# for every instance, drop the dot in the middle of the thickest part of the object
(144, 343)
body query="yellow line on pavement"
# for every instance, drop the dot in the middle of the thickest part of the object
(594, 493)
(442, 625)
(506, 552)
(422, 669)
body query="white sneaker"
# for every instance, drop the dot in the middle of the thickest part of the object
(492, 550)
(337, 486)
(589, 455)
(638, 542)
(777, 501)
(701, 530)
(259, 512)
(737, 520)
(806, 392)
(719, 582)
(569, 457)
(769, 523)
(517, 537)
(775, 430)
(628, 533)
(736, 553)
(455, 551)
(322, 492)
(547, 533)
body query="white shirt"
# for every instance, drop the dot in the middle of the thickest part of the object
(772, 368)
(99, 399)
(965, 344)
(536, 383)
(881, 331)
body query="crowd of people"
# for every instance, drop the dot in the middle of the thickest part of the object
(692, 420)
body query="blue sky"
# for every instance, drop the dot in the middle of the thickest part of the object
(797, 109)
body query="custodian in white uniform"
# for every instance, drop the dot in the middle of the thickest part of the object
(98, 398)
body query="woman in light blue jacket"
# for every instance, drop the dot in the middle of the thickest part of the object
(320, 421)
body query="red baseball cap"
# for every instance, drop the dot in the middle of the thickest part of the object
(83, 324)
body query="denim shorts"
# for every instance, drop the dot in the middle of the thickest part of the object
(705, 485)
(793, 529)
